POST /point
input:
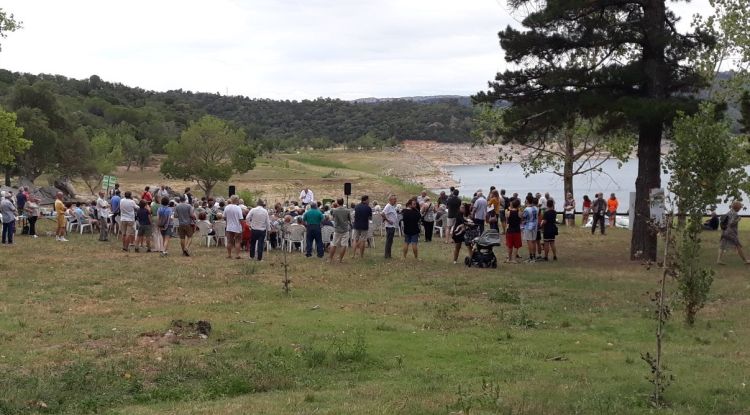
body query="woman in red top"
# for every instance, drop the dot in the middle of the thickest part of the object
(147, 195)
(586, 209)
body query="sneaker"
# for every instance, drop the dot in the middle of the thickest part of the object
(63, 239)
(34, 236)
(554, 258)
(454, 262)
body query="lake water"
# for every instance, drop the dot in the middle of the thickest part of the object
(510, 176)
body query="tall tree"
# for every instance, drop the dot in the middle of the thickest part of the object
(8, 23)
(12, 142)
(621, 60)
(575, 149)
(104, 155)
(207, 152)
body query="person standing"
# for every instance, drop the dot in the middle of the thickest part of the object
(21, 199)
(390, 219)
(411, 227)
(453, 204)
(570, 210)
(549, 230)
(306, 196)
(185, 224)
(458, 231)
(480, 211)
(9, 212)
(164, 221)
(61, 221)
(312, 220)
(102, 211)
(143, 216)
(233, 216)
(259, 223)
(427, 211)
(598, 207)
(362, 217)
(612, 205)
(513, 239)
(162, 192)
(585, 210)
(529, 226)
(128, 208)
(729, 225)
(189, 196)
(342, 222)
(32, 214)
(146, 195)
(442, 198)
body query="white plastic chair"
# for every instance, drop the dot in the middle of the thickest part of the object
(71, 223)
(83, 223)
(327, 233)
(220, 232)
(438, 226)
(377, 224)
(203, 236)
(296, 235)
(371, 236)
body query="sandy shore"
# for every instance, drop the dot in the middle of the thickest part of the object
(433, 157)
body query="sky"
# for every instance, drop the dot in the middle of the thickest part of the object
(279, 49)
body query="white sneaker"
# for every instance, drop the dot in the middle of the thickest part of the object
(63, 239)
(34, 236)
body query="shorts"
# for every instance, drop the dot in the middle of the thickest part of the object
(144, 231)
(411, 239)
(528, 235)
(503, 219)
(450, 222)
(513, 240)
(185, 231)
(570, 216)
(233, 238)
(549, 235)
(359, 235)
(60, 221)
(340, 239)
(167, 232)
(127, 228)
(586, 211)
(459, 239)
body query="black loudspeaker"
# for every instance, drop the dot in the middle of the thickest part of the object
(347, 189)
(232, 190)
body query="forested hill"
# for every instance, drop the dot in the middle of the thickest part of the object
(274, 125)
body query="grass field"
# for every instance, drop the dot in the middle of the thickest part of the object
(81, 328)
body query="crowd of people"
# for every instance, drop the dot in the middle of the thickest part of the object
(148, 222)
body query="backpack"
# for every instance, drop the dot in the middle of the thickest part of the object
(724, 224)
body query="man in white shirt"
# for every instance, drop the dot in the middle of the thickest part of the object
(259, 223)
(480, 211)
(306, 196)
(102, 211)
(390, 218)
(233, 215)
(127, 220)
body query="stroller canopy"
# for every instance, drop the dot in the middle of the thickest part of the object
(490, 237)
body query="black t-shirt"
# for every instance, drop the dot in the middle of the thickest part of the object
(362, 216)
(459, 221)
(514, 222)
(411, 221)
(453, 204)
(549, 218)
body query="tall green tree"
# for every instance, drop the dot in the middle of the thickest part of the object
(105, 153)
(12, 142)
(8, 23)
(707, 164)
(575, 149)
(620, 60)
(207, 152)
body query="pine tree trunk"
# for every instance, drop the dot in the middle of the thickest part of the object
(643, 241)
(7, 176)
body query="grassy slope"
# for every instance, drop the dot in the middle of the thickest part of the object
(388, 337)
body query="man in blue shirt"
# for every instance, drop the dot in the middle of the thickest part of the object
(362, 217)
(312, 218)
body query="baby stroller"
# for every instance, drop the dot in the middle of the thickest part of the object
(481, 248)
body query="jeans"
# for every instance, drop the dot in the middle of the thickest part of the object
(257, 238)
(389, 234)
(313, 234)
(9, 229)
(273, 239)
(429, 229)
(598, 217)
(32, 225)
(480, 223)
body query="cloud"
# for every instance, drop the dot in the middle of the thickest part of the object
(283, 49)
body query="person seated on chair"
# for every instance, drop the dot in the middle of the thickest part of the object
(712, 223)
(326, 221)
(203, 218)
(296, 223)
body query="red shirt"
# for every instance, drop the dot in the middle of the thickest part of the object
(147, 197)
